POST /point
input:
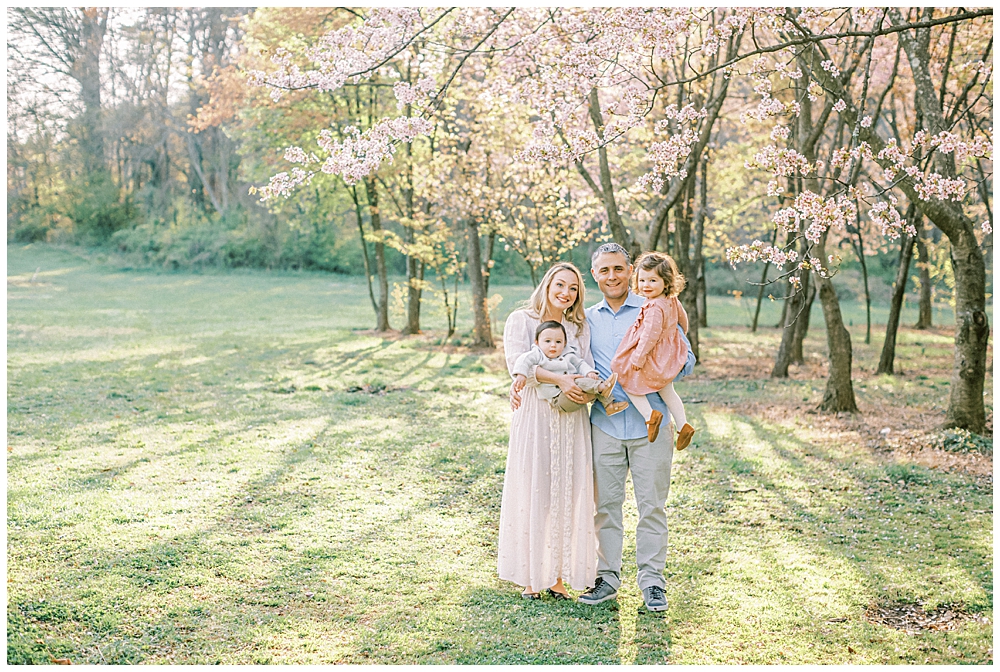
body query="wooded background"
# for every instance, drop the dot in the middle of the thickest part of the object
(137, 130)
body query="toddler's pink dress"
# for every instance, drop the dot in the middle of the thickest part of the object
(654, 333)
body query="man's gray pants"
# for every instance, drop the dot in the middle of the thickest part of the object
(650, 466)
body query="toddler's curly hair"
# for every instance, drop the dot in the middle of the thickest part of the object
(665, 267)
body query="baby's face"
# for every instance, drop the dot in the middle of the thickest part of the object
(551, 342)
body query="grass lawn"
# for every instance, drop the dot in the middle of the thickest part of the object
(191, 479)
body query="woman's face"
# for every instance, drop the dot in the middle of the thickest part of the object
(563, 290)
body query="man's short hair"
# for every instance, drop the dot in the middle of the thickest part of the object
(610, 248)
(551, 324)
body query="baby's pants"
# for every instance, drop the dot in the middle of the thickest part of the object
(564, 403)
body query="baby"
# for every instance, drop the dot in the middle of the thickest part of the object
(550, 341)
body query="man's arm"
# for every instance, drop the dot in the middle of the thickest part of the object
(689, 364)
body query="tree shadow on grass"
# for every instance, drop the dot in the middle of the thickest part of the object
(262, 511)
(819, 506)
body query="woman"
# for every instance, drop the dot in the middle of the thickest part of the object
(547, 512)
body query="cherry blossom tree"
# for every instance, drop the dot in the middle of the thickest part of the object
(815, 85)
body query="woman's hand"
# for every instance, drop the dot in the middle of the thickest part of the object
(567, 384)
(515, 391)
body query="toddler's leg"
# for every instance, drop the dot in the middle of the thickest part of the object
(589, 385)
(675, 405)
(564, 403)
(641, 404)
(673, 402)
(652, 418)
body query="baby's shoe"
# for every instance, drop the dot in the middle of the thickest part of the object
(684, 436)
(605, 388)
(613, 407)
(653, 426)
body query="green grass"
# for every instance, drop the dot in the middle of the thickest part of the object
(189, 481)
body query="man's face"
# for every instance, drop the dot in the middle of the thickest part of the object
(551, 342)
(612, 273)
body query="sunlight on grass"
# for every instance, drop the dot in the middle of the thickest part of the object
(219, 469)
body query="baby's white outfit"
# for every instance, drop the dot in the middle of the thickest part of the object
(566, 363)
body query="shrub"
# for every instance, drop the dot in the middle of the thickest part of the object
(963, 441)
(96, 210)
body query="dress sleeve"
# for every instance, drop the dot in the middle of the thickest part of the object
(517, 340)
(649, 332)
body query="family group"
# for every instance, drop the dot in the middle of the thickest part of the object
(564, 485)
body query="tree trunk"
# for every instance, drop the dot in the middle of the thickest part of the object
(618, 230)
(86, 70)
(698, 259)
(364, 247)
(794, 311)
(864, 275)
(702, 298)
(802, 325)
(682, 241)
(488, 262)
(482, 335)
(972, 329)
(972, 333)
(760, 289)
(383, 275)
(412, 261)
(784, 314)
(839, 393)
(925, 319)
(888, 356)
(659, 229)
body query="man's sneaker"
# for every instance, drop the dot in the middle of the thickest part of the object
(601, 592)
(654, 598)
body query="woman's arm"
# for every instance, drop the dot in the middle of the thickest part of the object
(517, 340)
(583, 344)
(682, 316)
(566, 383)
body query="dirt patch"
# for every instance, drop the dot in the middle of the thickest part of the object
(912, 619)
(901, 434)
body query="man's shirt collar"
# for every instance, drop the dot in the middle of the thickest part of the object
(632, 300)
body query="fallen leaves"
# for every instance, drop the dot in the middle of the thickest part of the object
(911, 618)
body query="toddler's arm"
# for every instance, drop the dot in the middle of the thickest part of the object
(649, 336)
(581, 367)
(525, 363)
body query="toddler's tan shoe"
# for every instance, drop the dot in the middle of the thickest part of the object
(653, 425)
(684, 436)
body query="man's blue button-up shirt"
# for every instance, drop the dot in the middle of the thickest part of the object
(607, 329)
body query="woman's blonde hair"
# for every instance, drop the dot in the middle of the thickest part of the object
(665, 267)
(539, 300)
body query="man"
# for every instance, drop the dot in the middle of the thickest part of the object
(620, 446)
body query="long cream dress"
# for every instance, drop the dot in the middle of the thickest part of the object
(547, 511)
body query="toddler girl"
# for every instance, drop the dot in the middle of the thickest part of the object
(652, 352)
